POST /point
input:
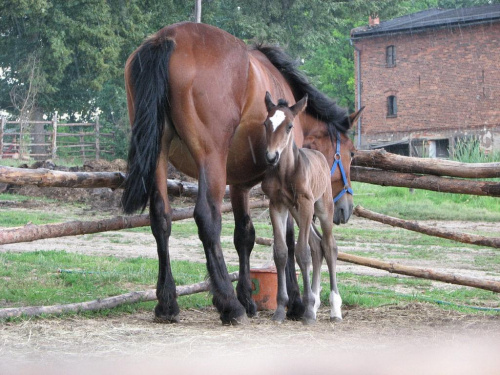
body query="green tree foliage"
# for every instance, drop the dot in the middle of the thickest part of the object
(72, 53)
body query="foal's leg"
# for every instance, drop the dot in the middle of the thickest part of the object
(295, 306)
(303, 254)
(207, 214)
(160, 213)
(317, 260)
(244, 240)
(330, 252)
(279, 216)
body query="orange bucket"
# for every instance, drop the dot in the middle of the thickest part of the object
(264, 287)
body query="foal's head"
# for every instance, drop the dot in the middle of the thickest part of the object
(279, 124)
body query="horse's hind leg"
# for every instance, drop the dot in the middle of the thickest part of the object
(295, 306)
(167, 309)
(244, 240)
(207, 214)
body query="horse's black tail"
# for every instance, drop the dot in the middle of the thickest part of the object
(148, 75)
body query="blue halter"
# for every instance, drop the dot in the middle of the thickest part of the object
(338, 162)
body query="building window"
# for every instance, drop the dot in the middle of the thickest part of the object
(390, 56)
(392, 106)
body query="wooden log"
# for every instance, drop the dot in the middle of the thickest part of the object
(426, 229)
(422, 273)
(426, 182)
(382, 159)
(42, 177)
(105, 303)
(32, 232)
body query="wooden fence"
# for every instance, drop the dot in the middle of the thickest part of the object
(441, 172)
(53, 139)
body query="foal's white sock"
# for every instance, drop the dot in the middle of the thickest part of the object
(335, 303)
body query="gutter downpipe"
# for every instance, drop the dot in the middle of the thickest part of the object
(358, 74)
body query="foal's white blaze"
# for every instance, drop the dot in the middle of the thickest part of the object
(277, 119)
(335, 303)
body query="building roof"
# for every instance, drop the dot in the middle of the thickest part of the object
(431, 19)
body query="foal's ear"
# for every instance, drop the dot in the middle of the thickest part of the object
(299, 106)
(269, 102)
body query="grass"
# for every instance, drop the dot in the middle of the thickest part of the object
(58, 277)
(424, 204)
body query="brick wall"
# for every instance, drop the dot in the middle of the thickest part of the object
(446, 81)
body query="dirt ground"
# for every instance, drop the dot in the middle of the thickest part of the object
(407, 338)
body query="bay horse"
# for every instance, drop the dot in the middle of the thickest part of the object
(194, 96)
(297, 180)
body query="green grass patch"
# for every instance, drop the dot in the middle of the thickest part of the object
(16, 217)
(424, 204)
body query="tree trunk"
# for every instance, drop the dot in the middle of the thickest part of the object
(434, 183)
(38, 131)
(382, 159)
(431, 231)
(423, 273)
(32, 232)
(105, 303)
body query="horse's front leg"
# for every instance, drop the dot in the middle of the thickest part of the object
(278, 214)
(167, 309)
(207, 214)
(295, 306)
(244, 240)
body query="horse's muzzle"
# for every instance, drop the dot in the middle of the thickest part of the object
(272, 159)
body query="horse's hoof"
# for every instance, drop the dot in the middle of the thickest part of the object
(308, 321)
(237, 321)
(335, 319)
(296, 311)
(164, 315)
(166, 319)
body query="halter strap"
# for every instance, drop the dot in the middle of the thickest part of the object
(337, 161)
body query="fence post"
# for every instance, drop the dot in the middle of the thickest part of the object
(54, 136)
(97, 141)
(2, 127)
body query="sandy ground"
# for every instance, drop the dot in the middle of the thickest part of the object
(407, 338)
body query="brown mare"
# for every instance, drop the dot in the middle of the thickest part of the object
(298, 181)
(195, 98)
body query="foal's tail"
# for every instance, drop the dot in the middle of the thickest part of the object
(148, 79)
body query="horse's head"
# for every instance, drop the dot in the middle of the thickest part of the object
(338, 149)
(279, 124)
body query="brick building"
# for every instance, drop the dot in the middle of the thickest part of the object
(429, 79)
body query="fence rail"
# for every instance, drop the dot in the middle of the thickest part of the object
(19, 140)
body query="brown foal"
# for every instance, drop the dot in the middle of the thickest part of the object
(297, 180)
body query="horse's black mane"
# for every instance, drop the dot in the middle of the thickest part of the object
(318, 104)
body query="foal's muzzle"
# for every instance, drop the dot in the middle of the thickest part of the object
(272, 158)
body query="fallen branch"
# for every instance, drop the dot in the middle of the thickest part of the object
(382, 159)
(426, 182)
(32, 232)
(422, 273)
(431, 231)
(105, 303)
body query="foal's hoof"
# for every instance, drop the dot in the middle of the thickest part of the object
(335, 319)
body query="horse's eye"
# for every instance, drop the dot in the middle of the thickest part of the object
(352, 154)
(289, 127)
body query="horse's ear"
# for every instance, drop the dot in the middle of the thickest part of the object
(299, 106)
(269, 102)
(353, 117)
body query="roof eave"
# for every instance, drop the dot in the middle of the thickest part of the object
(412, 30)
